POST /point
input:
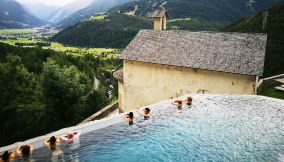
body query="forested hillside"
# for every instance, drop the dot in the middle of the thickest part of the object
(113, 30)
(117, 30)
(43, 90)
(270, 21)
(216, 10)
(124, 21)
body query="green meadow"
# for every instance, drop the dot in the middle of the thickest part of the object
(77, 51)
(16, 31)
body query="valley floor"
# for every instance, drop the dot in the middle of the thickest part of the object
(30, 37)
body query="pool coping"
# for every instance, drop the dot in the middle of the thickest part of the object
(37, 142)
(105, 122)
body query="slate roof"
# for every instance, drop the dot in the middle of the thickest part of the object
(239, 53)
(118, 75)
(160, 13)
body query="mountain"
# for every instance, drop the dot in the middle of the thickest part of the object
(98, 32)
(40, 10)
(214, 10)
(14, 15)
(96, 7)
(270, 21)
(68, 10)
(108, 31)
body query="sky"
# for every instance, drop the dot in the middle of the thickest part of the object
(58, 3)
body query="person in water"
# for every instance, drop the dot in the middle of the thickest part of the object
(188, 101)
(71, 136)
(146, 113)
(53, 145)
(25, 151)
(7, 156)
(130, 118)
(178, 103)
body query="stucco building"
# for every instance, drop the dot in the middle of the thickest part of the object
(161, 64)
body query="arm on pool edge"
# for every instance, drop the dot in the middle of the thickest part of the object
(126, 118)
(77, 135)
(18, 151)
(58, 140)
(46, 143)
(31, 148)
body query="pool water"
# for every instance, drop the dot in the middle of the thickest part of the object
(213, 129)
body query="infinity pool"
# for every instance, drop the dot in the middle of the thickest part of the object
(215, 128)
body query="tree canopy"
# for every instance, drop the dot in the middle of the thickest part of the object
(43, 90)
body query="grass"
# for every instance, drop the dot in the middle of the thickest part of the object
(195, 24)
(270, 91)
(100, 17)
(20, 40)
(78, 51)
(180, 19)
(16, 31)
(59, 47)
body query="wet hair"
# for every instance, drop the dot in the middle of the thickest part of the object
(130, 115)
(189, 98)
(52, 140)
(5, 156)
(147, 110)
(25, 150)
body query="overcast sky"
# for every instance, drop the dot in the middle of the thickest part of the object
(48, 2)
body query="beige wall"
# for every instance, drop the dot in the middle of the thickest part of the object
(120, 97)
(164, 23)
(160, 23)
(146, 83)
(157, 23)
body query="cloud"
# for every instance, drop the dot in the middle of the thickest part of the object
(47, 2)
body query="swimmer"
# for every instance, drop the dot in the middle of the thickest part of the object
(7, 156)
(25, 151)
(71, 136)
(130, 118)
(188, 101)
(178, 103)
(53, 145)
(146, 113)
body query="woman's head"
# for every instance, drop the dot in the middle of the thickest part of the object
(25, 150)
(147, 110)
(131, 115)
(52, 140)
(70, 135)
(189, 98)
(5, 156)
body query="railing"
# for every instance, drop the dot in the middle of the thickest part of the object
(102, 113)
(274, 77)
(265, 82)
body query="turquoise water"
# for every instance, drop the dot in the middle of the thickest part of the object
(205, 132)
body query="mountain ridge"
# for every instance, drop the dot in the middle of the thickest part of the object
(40, 10)
(96, 7)
(68, 10)
(14, 15)
(184, 22)
(221, 10)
